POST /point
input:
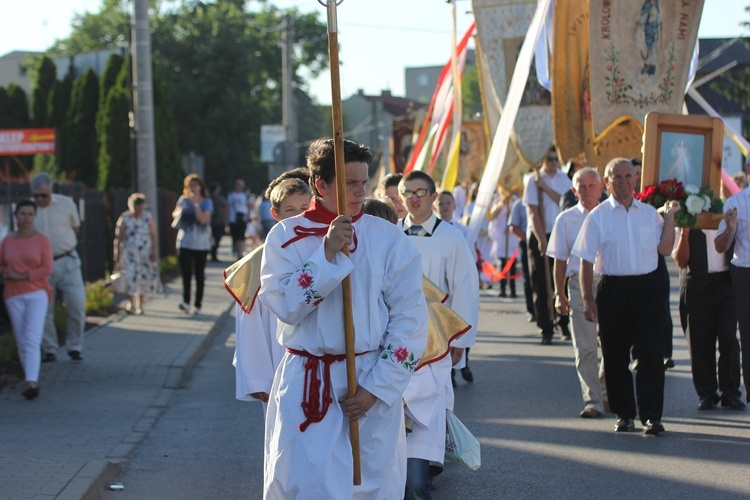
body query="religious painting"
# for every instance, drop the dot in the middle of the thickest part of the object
(684, 147)
(680, 157)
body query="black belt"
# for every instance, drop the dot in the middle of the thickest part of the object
(66, 254)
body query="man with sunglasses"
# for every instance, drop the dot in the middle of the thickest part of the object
(449, 263)
(57, 217)
(541, 196)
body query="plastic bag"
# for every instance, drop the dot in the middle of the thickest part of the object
(461, 446)
(118, 283)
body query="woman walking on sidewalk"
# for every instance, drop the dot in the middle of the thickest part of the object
(135, 251)
(193, 210)
(25, 263)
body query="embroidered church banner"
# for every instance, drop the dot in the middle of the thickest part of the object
(640, 53)
(501, 28)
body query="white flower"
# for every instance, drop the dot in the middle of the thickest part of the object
(691, 189)
(694, 204)
(707, 202)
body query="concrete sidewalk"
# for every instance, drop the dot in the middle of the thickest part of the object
(91, 415)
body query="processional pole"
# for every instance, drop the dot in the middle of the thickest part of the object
(346, 285)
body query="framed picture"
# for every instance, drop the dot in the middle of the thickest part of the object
(683, 147)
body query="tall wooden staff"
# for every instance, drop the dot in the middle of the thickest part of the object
(346, 285)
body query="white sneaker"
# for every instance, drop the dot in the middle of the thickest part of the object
(184, 307)
(197, 312)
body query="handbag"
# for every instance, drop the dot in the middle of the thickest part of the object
(461, 446)
(118, 282)
(177, 222)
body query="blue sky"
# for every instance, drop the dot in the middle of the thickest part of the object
(378, 38)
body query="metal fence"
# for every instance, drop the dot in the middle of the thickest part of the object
(99, 212)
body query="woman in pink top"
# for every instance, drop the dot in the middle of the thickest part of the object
(25, 263)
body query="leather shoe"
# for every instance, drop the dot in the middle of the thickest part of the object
(546, 339)
(75, 355)
(49, 357)
(590, 413)
(31, 392)
(653, 428)
(466, 374)
(706, 404)
(733, 403)
(668, 363)
(624, 425)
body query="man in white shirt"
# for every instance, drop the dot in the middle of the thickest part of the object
(736, 228)
(709, 316)
(57, 217)
(541, 197)
(622, 235)
(587, 188)
(447, 262)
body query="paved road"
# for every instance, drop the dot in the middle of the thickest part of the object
(523, 407)
(207, 445)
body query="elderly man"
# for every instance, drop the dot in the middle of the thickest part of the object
(541, 197)
(57, 217)
(622, 235)
(736, 228)
(587, 188)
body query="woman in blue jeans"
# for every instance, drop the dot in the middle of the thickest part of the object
(194, 209)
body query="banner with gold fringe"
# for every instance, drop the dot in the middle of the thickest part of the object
(501, 28)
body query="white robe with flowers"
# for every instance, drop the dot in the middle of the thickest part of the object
(447, 262)
(390, 322)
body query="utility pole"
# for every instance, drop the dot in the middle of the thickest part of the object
(143, 98)
(288, 103)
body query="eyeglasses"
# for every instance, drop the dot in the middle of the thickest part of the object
(553, 158)
(40, 195)
(420, 193)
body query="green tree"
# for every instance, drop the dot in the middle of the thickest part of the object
(115, 165)
(46, 76)
(58, 102)
(107, 80)
(222, 71)
(107, 29)
(15, 112)
(83, 148)
(169, 172)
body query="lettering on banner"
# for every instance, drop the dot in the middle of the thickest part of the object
(606, 20)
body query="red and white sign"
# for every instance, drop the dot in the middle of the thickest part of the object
(27, 141)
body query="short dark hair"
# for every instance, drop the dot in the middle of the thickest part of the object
(286, 188)
(25, 203)
(321, 160)
(448, 193)
(636, 161)
(391, 180)
(300, 173)
(419, 175)
(380, 208)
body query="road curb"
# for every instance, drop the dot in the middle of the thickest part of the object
(91, 481)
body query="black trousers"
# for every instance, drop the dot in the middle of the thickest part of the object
(630, 316)
(217, 232)
(528, 290)
(193, 260)
(512, 271)
(539, 282)
(711, 317)
(741, 288)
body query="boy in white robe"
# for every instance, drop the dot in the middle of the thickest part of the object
(257, 352)
(308, 452)
(447, 262)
